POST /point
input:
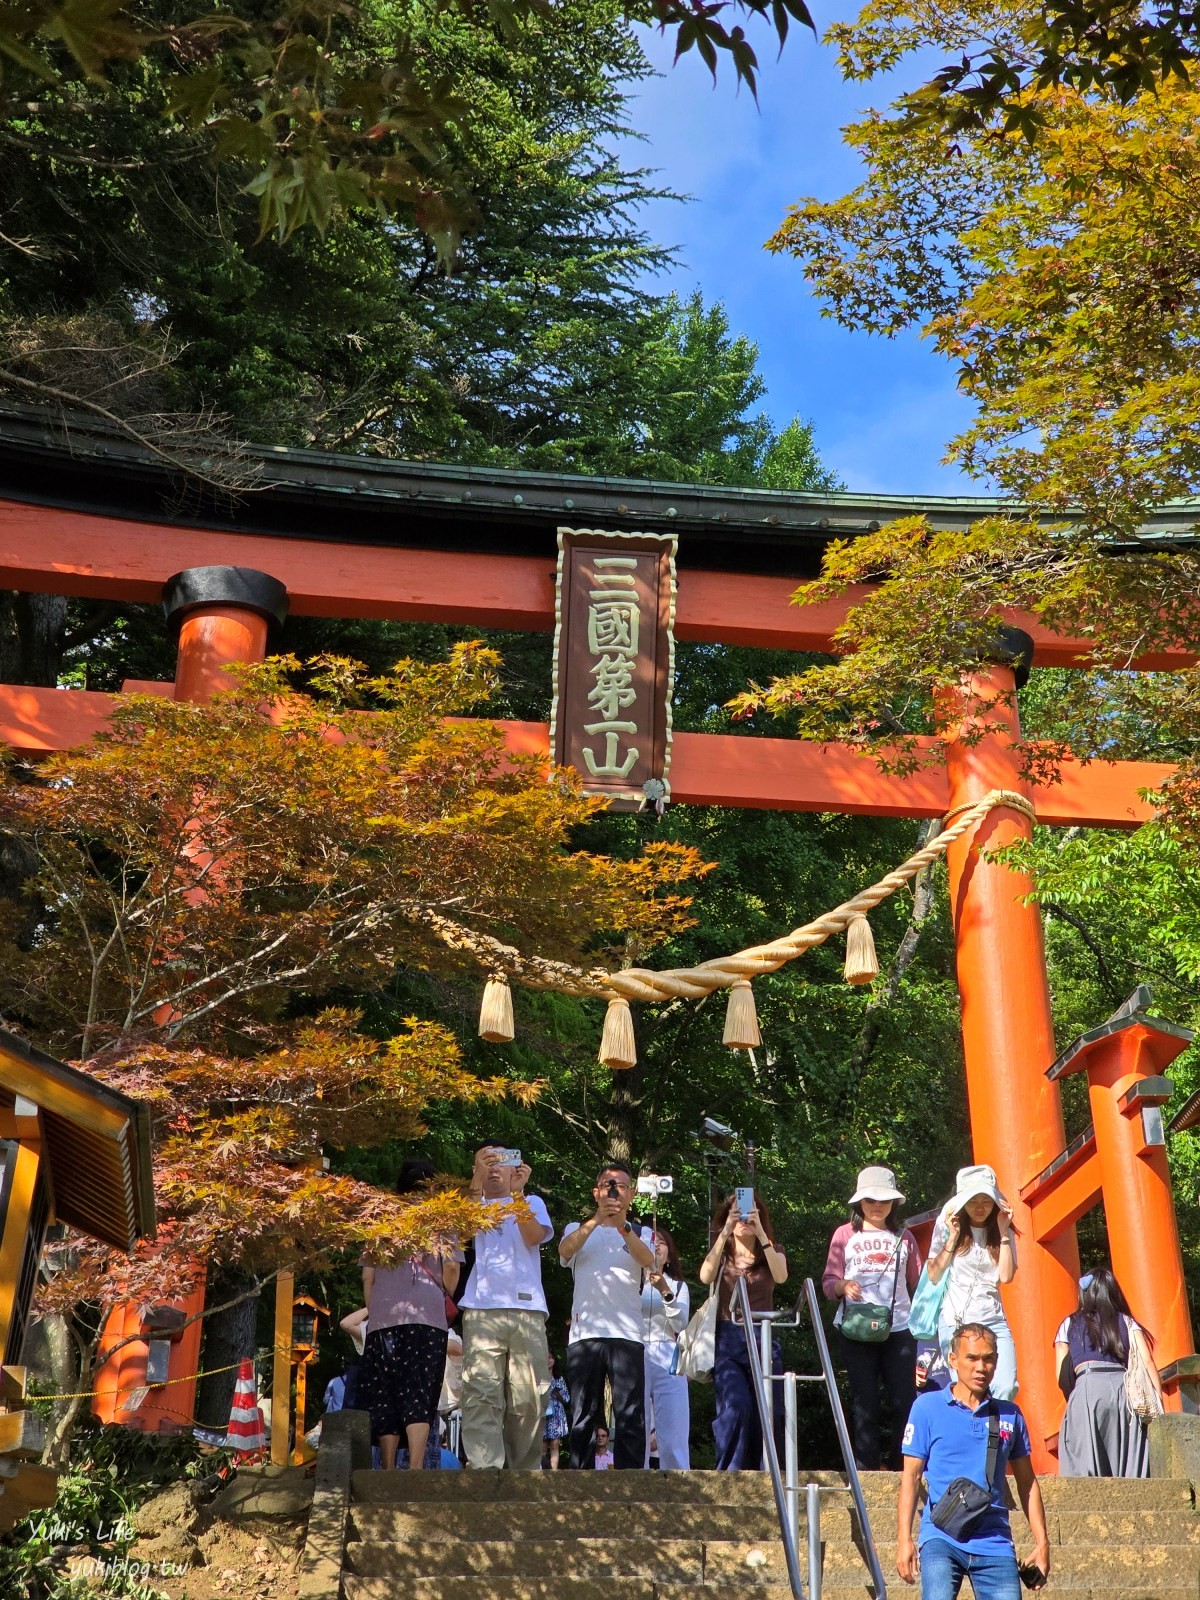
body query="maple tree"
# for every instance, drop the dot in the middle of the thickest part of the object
(1059, 276)
(238, 1175)
(200, 876)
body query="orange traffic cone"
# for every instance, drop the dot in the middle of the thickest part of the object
(247, 1430)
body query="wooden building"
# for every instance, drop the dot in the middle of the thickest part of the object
(72, 1150)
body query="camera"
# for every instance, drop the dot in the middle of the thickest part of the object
(653, 1183)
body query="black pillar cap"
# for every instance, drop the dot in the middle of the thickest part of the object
(1012, 647)
(223, 586)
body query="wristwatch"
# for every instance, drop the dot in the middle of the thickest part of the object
(627, 1226)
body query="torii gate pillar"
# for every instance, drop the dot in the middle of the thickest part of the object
(222, 616)
(1008, 1036)
(1126, 1090)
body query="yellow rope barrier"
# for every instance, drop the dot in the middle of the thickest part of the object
(694, 983)
(90, 1394)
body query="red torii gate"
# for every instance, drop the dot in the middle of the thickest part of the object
(1016, 1116)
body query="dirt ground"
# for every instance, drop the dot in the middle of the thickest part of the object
(196, 1554)
(240, 1559)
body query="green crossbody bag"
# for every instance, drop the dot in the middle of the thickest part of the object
(868, 1324)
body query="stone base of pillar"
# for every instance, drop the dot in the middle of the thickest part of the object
(1175, 1446)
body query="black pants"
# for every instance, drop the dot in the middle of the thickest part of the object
(623, 1363)
(889, 1367)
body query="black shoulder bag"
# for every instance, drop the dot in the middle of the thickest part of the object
(964, 1502)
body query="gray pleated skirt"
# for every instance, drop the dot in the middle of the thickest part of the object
(1100, 1436)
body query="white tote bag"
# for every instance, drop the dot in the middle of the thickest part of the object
(696, 1347)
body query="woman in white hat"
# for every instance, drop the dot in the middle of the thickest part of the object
(974, 1242)
(872, 1269)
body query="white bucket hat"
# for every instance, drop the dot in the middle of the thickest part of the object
(970, 1183)
(876, 1183)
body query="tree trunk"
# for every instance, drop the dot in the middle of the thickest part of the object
(49, 1356)
(228, 1336)
(627, 1096)
(57, 1451)
(33, 631)
(41, 622)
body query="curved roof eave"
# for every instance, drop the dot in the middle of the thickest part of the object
(368, 499)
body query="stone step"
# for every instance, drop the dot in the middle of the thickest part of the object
(1120, 1567)
(1114, 1495)
(1108, 1496)
(696, 1561)
(497, 1560)
(396, 1587)
(570, 1488)
(516, 1520)
(468, 1588)
(1101, 1529)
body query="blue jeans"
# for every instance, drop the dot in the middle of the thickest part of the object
(943, 1567)
(736, 1428)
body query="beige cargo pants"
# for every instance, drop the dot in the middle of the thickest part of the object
(505, 1387)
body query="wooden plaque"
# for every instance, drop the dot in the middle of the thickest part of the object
(614, 663)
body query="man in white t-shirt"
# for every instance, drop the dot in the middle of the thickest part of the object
(506, 1364)
(607, 1255)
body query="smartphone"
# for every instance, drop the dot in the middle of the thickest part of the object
(508, 1158)
(1032, 1577)
(744, 1200)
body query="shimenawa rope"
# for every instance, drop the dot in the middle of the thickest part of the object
(694, 983)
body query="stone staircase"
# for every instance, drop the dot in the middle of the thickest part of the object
(669, 1536)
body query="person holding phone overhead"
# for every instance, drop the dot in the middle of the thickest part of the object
(743, 1248)
(607, 1256)
(505, 1362)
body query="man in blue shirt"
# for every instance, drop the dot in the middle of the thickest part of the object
(947, 1438)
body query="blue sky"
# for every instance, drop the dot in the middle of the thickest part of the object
(882, 410)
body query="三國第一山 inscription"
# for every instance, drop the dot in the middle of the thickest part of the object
(614, 662)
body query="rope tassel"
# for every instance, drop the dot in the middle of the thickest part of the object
(618, 1048)
(862, 964)
(496, 1012)
(741, 1019)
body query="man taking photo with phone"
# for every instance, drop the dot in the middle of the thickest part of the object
(607, 1255)
(506, 1364)
(961, 1439)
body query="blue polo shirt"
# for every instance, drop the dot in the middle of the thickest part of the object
(951, 1440)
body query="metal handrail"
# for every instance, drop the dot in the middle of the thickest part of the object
(790, 1553)
(843, 1433)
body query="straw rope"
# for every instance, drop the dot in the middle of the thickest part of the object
(90, 1394)
(694, 983)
